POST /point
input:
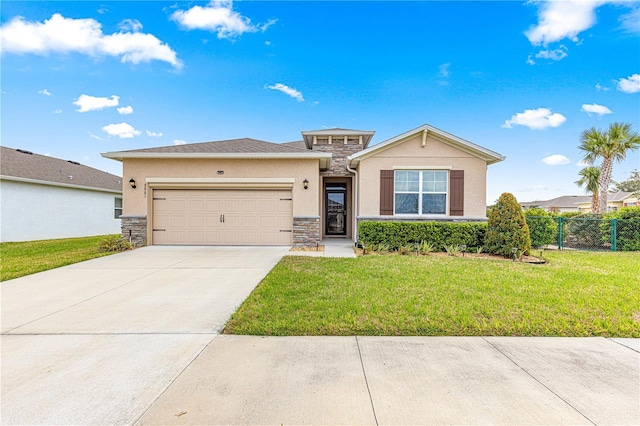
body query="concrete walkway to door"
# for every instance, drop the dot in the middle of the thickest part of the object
(97, 342)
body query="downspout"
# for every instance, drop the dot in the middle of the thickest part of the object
(357, 201)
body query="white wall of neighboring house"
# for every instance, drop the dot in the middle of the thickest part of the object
(34, 211)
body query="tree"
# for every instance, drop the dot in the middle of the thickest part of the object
(630, 185)
(589, 177)
(611, 146)
(507, 228)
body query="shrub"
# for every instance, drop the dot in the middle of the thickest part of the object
(627, 228)
(397, 234)
(542, 227)
(507, 228)
(114, 243)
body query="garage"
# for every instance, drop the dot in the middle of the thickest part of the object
(222, 217)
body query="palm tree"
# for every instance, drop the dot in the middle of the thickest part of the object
(589, 179)
(610, 145)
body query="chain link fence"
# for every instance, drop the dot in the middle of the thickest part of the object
(580, 233)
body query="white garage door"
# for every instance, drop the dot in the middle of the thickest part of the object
(222, 217)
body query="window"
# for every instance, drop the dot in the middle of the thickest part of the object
(420, 192)
(118, 207)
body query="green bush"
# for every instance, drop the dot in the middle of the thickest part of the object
(114, 243)
(543, 227)
(627, 228)
(507, 228)
(401, 234)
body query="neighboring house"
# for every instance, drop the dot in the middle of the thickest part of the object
(44, 198)
(615, 201)
(566, 203)
(251, 192)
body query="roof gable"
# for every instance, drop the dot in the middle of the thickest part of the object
(486, 154)
(27, 166)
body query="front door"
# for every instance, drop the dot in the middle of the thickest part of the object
(335, 204)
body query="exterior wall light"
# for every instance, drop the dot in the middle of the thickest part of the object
(132, 182)
(305, 183)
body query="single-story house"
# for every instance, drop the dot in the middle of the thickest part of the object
(565, 203)
(615, 201)
(252, 192)
(42, 198)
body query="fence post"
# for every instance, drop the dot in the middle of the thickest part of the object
(614, 233)
(560, 232)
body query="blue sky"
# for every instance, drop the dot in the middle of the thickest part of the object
(521, 78)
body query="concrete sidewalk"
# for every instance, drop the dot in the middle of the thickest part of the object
(406, 381)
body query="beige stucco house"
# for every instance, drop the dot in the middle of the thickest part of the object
(615, 201)
(251, 192)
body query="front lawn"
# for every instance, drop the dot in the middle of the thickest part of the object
(24, 258)
(575, 294)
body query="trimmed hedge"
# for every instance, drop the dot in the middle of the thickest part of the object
(628, 228)
(507, 228)
(401, 234)
(543, 227)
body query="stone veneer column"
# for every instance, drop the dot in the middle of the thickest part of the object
(306, 231)
(134, 226)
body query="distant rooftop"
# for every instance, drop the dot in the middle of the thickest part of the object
(23, 164)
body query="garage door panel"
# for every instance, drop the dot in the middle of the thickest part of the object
(250, 217)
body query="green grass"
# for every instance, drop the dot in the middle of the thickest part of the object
(25, 258)
(574, 294)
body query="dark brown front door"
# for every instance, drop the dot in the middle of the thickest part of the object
(335, 204)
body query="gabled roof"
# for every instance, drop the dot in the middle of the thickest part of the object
(565, 201)
(246, 148)
(486, 154)
(337, 132)
(25, 166)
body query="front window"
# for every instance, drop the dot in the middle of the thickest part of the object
(420, 192)
(118, 207)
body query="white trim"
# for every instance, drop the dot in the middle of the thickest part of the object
(63, 185)
(420, 193)
(221, 183)
(427, 168)
(119, 155)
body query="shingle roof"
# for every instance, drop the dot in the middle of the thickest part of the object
(564, 201)
(26, 165)
(243, 145)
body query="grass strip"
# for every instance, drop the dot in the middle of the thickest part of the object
(574, 294)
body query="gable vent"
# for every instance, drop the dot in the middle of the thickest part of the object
(24, 151)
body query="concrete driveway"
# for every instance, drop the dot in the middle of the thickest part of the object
(97, 342)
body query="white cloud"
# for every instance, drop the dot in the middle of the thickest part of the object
(130, 25)
(630, 84)
(67, 35)
(218, 17)
(443, 70)
(530, 60)
(92, 103)
(631, 21)
(125, 110)
(179, 142)
(121, 130)
(92, 136)
(554, 55)
(556, 160)
(153, 134)
(58, 111)
(533, 188)
(600, 87)
(558, 20)
(289, 91)
(596, 109)
(582, 163)
(44, 92)
(536, 119)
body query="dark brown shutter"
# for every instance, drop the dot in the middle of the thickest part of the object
(386, 192)
(456, 192)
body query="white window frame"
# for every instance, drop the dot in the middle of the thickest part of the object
(116, 208)
(420, 190)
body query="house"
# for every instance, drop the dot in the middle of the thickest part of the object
(565, 203)
(615, 201)
(252, 192)
(43, 198)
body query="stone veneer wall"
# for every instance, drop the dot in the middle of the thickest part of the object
(340, 152)
(134, 226)
(306, 231)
